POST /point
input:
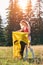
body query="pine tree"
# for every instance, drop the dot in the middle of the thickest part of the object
(37, 26)
(0, 29)
(1, 33)
(14, 16)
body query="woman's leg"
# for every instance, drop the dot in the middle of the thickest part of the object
(32, 52)
(26, 52)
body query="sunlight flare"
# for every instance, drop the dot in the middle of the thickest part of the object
(23, 4)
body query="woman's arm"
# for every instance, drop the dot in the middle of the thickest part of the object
(21, 30)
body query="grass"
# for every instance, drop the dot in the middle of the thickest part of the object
(6, 57)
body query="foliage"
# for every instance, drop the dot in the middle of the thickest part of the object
(15, 15)
(37, 24)
(2, 39)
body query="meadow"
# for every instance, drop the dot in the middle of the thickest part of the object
(6, 57)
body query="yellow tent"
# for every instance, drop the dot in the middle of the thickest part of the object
(17, 46)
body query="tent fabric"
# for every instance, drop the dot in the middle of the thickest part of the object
(20, 39)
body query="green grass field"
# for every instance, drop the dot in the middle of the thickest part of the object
(6, 57)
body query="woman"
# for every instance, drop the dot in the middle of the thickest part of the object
(25, 27)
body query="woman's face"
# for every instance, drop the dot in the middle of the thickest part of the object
(22, 26)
